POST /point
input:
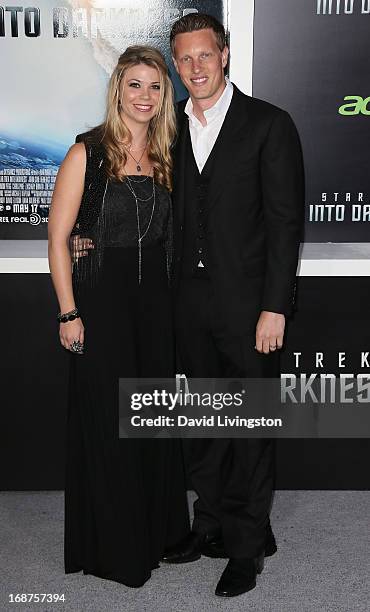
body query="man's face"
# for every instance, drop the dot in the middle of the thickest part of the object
(200, 64)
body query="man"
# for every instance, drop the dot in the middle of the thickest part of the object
(238, 211)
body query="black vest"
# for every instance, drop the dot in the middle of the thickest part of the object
(195, 215)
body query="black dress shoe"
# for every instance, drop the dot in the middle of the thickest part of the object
(189, 549)
(214, 547)
(239, 576)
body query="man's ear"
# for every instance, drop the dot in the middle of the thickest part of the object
(175, 64)
(225, 55)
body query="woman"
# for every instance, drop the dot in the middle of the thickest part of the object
(124, 498)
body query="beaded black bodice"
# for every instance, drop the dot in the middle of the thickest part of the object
(107, 215)
(122, 228)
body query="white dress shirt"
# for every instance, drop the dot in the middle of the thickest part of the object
(203, 138)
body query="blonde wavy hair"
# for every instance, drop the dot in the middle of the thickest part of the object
(162, 127)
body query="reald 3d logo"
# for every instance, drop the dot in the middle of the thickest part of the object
(356, 106)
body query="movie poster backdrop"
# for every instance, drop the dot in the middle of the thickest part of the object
(312, 58)
(55, 61)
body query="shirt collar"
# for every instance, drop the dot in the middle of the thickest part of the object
(219, 108)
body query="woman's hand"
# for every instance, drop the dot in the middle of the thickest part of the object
(79, 247)
(70, 332)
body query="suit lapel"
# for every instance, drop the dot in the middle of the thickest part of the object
(179, 166)
(220, 159)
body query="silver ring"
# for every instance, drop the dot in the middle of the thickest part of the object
(76, 346)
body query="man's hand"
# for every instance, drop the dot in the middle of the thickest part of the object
(270, 331)
(79, 247)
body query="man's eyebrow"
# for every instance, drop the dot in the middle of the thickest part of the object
(196, 53)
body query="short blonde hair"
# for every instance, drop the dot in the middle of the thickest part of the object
(193, 22)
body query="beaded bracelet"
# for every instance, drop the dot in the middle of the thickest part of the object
(68, 316)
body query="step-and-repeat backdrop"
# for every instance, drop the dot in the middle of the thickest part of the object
(310, 57)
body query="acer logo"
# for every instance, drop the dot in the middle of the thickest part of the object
(356, 106)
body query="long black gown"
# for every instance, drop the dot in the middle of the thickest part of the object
(125, 499)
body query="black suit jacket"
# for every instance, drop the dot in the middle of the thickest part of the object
(254, 209)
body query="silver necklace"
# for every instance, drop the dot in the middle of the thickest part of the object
(143, 179)
(137, 161)
(141, 236)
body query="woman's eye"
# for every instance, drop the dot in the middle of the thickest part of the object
(157, 87)
(135, 85)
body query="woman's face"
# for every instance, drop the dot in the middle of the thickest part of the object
(140, 94)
